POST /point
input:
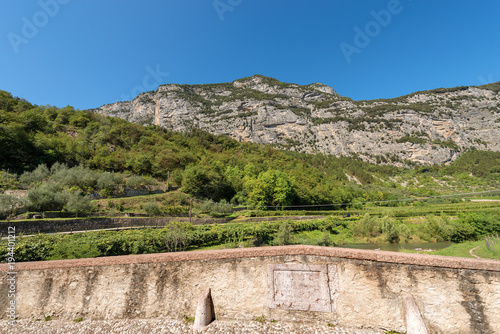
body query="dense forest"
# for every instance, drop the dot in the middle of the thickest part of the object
(38, 142)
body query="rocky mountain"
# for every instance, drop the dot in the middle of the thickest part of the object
(433, 126)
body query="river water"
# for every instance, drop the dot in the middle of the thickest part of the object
(425, 246)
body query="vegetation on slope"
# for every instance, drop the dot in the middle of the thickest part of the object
(330, 231)
(41, 139)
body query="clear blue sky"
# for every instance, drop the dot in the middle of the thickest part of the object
(87, 53)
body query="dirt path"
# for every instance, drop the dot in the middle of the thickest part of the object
(471, 252)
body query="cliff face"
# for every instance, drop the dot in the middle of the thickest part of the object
(424, 127)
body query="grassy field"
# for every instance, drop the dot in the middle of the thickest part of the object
(465, 249)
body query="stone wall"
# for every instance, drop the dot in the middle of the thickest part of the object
(30, 226)
(292, 283)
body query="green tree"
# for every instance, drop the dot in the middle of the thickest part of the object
(47, 197)
(204, 181)
(77, 203)
(10, 206)
(270, 188)
(8, 181)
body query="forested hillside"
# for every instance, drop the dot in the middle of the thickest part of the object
(215, 167)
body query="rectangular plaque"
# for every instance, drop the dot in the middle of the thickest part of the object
(299, 287)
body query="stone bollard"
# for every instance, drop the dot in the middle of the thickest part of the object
(205, 313)
(414, 322)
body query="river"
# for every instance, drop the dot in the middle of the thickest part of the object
(396, 247)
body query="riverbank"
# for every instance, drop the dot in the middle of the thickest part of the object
(470, 249)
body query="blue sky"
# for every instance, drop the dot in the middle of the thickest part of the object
(93, 52)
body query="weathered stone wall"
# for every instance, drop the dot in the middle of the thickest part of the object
(354, 287)
(66, 225)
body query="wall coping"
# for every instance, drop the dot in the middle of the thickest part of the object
(334, 252)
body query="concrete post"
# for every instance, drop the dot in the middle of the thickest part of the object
(205, 313)
(414, 322)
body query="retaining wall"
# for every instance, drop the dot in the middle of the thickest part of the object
(293, 283)
(66, 225)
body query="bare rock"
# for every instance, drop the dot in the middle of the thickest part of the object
(430, 127)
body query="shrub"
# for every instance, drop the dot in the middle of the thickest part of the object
(10, 206)
(284, 235)
(47, 197)
(366, 227)
(8, 181)
(38, 175)
(77, 203)
(439, 227)
(390, 229)
(69, 249)
(176, 237)
(138, 182)
(216, 209)
(152, 209)
(107, 183)
(482, 224)
(326, 238)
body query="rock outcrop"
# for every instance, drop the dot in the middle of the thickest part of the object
(424, 127)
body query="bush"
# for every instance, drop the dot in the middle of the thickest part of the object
(139, 182)
(284, 235)
(152, 209)
(389, 227)
(10, 206)
(38, 175)
(8, 181)
(47, 197)
(107, 183)
(77, 203)
(216, 209)
(480, 224)
(366, 227)
(69, 249)
(439, 227)
(176, 237)
(326, 238)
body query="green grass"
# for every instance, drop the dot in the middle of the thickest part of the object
(497, 198)
(463, 250)
(308, 237)
(188, 318)
(314, 237)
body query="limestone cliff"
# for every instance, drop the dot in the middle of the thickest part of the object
(424, 127)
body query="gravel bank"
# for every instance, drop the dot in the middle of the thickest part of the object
(164, 326)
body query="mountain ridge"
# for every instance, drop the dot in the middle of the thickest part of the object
(425, 127)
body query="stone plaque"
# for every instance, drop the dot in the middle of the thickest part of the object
(299, 287)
